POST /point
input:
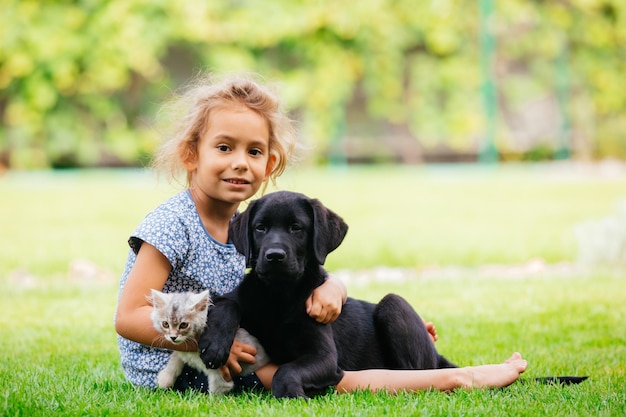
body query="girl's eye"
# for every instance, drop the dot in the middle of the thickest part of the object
(255, 152)
(165, 325)
(183, 325)
(223, 148)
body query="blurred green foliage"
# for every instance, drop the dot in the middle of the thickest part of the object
(81, 81)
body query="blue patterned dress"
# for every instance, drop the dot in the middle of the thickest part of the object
(198, 261)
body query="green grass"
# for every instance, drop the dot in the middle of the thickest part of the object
(59, 354)
(411, 217)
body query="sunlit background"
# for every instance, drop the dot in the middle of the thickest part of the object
(369, 81)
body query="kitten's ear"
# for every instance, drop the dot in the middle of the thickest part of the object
(202, 301)
(157, 299)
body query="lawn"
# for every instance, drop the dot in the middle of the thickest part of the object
(62, 248)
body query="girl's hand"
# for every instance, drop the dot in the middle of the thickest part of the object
(238, 352)
(325, 302)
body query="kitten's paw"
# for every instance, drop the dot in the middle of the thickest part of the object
(221, 388)
(165, 380)
(217, 384)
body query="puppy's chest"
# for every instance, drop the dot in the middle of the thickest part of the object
(274, 319)
(278, 305)
(279, 332)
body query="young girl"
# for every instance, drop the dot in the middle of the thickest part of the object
(231, 140)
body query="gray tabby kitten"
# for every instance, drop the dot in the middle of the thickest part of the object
(181, 318)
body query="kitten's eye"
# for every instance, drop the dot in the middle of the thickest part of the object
(183, 325)
(165, 325)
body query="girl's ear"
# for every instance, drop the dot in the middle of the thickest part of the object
(271, 163)
(190, 166)
(191, 161)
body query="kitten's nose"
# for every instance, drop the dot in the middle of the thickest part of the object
(173, 338)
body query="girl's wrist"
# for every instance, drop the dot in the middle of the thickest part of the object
(340, 286)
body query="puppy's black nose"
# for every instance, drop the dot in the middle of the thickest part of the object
(275, 255)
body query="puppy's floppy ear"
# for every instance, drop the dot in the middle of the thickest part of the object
(240, 233)
(329, 230)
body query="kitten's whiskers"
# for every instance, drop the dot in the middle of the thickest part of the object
(190, 342)
(159, 341)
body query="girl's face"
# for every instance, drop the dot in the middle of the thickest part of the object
(233, 156)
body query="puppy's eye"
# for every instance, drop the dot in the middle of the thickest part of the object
(296, 227)
(165, 325)
(260, 228)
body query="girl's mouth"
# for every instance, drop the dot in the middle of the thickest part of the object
(236, 181)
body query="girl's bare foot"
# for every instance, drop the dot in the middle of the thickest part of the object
(432, 331)
(494, 376)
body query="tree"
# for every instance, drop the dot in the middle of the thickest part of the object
(81, 81)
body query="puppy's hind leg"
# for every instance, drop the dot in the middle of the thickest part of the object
(404, 338)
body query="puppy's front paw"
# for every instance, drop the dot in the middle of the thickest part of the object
(286, 391)
(214, 355)
(287, 385)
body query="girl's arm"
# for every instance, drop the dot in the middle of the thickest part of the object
(132, 320)
(325, 302)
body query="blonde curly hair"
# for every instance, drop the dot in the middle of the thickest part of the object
(188, 118)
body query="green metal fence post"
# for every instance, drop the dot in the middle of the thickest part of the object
(563, 95)
(488, 152)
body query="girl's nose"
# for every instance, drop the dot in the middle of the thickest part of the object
(239, 162)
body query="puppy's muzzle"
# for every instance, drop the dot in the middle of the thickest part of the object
(276, 265)
(275, 255)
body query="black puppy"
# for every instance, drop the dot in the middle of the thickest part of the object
(285, 237)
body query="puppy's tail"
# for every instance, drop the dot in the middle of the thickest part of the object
(444, 363)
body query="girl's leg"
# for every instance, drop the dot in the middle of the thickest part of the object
(485, 376)
(265, 374)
